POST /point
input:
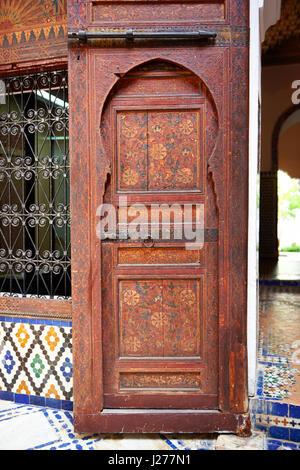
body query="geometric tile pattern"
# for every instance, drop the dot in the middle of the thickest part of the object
(278, 380)
(276, 408)
(275, 381)
(36, 358)
(280, 421)
(275, 444)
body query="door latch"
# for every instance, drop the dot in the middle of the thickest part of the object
(130, 34)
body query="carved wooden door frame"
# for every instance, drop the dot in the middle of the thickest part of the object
(93, 72)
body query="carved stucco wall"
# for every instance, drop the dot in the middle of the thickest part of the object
(287, 26)
(31, 30)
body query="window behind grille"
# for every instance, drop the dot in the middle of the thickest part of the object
(34, 186)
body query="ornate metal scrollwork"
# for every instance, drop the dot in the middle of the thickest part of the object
(34, 187)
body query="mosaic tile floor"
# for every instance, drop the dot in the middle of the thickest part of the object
(24, 427)
(279, 344)
(276, 408)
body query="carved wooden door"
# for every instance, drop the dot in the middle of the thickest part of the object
(160, 291)
(159, 137)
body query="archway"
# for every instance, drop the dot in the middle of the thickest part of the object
(284, 160)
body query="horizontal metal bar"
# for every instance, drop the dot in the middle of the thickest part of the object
(130, 34)
(122, 235)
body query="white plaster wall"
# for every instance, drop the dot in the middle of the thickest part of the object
(254, 98)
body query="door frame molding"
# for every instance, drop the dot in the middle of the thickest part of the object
(90, 77)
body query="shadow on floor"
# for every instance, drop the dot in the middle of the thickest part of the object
(287, 268)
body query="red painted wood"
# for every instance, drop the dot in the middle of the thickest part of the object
(156, 421)
(116, 93)
(156, 143)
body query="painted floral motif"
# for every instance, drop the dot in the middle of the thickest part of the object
(184, 176)
(132, 150)
(129, 129)
(133, 343)
(159, 150)
(131, 297)
(157, 129)
(186, 127)
(160, 318)
(129, 132)
(187, 346)
(130, 177)
(179, 169)
(187, 296)
(186, 153)
(129, 156)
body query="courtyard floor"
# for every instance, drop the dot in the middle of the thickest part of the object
(275, 411)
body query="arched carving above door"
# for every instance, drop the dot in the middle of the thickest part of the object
(172, 129)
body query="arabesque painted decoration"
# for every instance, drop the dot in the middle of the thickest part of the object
(160, 318)
(159, 150)
(32, 29)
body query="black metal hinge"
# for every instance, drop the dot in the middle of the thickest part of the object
(130, 34)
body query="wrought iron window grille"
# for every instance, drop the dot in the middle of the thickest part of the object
(34, 186)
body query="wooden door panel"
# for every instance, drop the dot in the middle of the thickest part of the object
(156, 400)
(167, 85)
(160, 218)
(131, 144)
(157, 331)
(159, 318)
(174, 150)
(157, 323)
(159, 150)
(153, 79)
(159, 381)
(159, 256)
